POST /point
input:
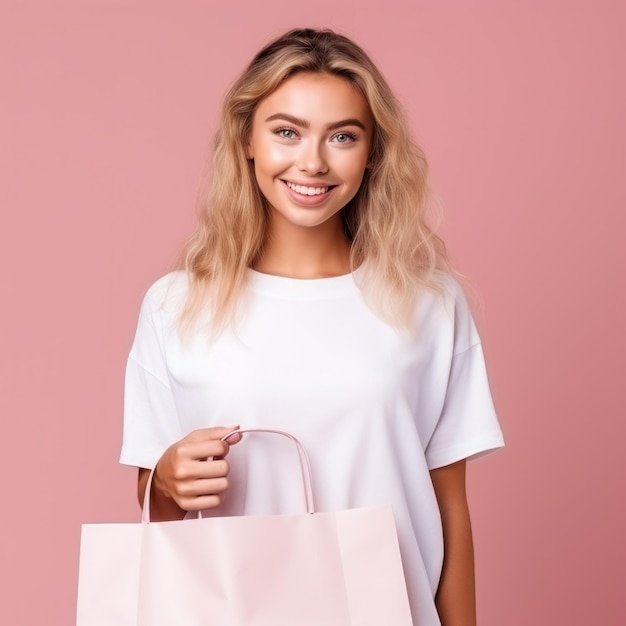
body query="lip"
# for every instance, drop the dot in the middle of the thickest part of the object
(308, 183)
(306, 200)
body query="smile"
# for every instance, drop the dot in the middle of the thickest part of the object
(307, 191)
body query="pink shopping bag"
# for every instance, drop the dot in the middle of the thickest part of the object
(314, 569)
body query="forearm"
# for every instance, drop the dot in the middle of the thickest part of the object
(162, 506)
(456, 597)
(456, 594)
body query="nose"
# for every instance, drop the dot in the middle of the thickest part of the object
(312, 159)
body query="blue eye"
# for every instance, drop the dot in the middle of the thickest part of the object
(286, 133)
(344, 137)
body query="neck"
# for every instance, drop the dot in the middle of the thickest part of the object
(293, 251)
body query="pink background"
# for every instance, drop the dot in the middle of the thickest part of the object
(106, 114)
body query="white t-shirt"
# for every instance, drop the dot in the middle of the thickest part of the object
(375, 408)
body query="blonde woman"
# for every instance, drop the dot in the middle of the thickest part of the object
(314, 298)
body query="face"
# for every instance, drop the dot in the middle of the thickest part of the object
(310, 143)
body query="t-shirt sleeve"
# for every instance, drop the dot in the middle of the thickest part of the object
(150, 419)
(468, 426)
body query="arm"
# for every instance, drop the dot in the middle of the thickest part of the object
(184, 480)
(455, 599)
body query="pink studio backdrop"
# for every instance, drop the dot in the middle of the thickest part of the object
(106, 113)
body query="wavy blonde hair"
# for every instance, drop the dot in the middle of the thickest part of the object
(391, 242)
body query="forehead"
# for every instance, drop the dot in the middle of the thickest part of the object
(317, 98)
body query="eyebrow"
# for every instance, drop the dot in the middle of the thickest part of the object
(353, 121)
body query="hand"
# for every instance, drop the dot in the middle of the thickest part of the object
(193, 472)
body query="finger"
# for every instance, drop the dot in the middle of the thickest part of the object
(200, 503)
(215, 468)
(189, 470)
(200, 450)
(202, 487)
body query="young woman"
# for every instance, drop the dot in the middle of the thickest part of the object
(313, 298)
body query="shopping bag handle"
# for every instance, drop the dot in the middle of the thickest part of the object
(305, 470)
(305, 465)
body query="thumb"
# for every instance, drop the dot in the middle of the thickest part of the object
(220, 432)
(235, 437)
(215, 432)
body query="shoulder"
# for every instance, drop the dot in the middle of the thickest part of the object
(448, 287)
(158, 313)
(167, 294)
(446, 306)
(442, 294)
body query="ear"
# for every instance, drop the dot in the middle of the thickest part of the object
(249, 151)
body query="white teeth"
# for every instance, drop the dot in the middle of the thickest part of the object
(307, 191)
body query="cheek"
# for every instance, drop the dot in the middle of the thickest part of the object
(354, 168)
(269, 157)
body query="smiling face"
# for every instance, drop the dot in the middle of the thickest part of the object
(310, 143)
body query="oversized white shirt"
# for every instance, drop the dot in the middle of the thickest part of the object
(374, 407)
